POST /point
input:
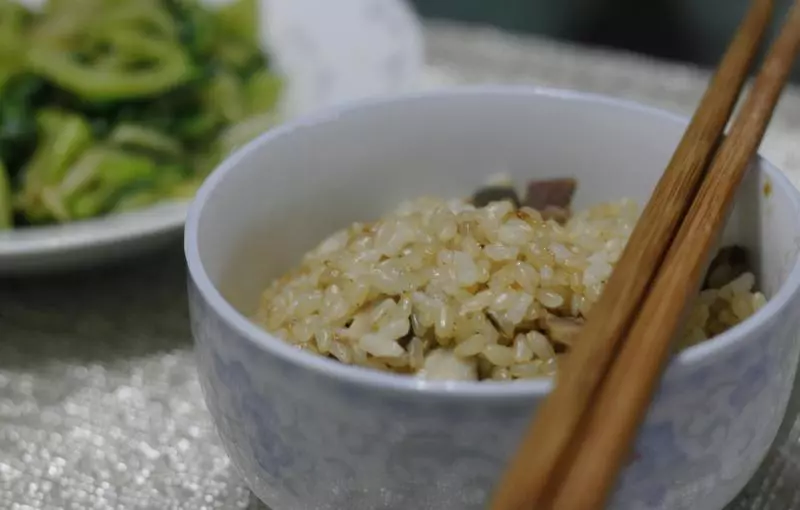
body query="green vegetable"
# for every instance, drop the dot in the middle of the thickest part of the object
(196, 27)
(156, 67)
(226, 97)
(263, 90)
(6, 211)
(63, 137)
(142, 138)
(18, 98)
(14, 22)
(136, 200)
(101, 176)
(241, 18)
(112, 105)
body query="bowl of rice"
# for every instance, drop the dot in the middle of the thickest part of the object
(382, 294)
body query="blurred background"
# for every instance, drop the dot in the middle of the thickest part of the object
(694, 31)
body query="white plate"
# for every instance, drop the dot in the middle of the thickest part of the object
(329, 51)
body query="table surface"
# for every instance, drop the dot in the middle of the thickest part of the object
(100, 407)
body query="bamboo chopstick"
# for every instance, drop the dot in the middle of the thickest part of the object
(625, 395)
(558, 417)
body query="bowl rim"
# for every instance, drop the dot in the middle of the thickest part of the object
(691, 357)
(149, 221)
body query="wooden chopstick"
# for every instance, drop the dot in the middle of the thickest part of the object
(546, 441)
(625, 395)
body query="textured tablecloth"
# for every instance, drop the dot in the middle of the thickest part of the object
(100, 406)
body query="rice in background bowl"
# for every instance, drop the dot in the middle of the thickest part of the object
(311, 432)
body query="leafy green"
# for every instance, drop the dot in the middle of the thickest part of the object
(19, 98)
(241, 18)
(111, 105)
(6, 211)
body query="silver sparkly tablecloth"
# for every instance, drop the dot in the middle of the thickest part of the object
(100, 407)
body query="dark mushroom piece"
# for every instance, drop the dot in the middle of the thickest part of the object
(730, 263)
(551, 197)
(488, 194)
(561, 330)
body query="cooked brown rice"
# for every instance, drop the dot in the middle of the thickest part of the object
(444, 290)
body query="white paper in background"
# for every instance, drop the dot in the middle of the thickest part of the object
(333, 51)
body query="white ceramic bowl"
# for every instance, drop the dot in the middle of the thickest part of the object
(329, 53)
(307, 432)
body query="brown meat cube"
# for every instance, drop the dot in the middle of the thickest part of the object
(556, 214)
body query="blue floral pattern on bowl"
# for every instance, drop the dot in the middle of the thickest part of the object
(303, 440)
